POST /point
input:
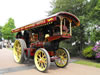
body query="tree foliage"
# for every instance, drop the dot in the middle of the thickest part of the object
(93, 22)
(88, 52)
(73, 6)
(6, 30)
(95, 13)
(0, 32)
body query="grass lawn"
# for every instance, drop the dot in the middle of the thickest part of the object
(10, 48)
(89, 63)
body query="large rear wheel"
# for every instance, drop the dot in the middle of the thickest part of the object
(18, 50)
(63, 59)
(42, 60)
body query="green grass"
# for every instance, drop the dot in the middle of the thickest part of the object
(89, 63)
(10, 48)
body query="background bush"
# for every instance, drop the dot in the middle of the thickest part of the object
(88, 52)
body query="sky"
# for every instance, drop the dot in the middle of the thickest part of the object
(23, 11)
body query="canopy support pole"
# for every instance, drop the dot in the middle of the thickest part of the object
(70, 29)
(61, 21)
(61, 27)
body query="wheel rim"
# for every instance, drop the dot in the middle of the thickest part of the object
(41, 60)
(63, 58)
(17, 51)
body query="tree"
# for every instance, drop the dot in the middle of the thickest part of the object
(93, 22)
(0, 32)
(95, 13)
(6, 30)
(73, 6)
(95, 34)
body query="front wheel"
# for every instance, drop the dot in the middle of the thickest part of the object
(42, 59)
(18, 51)
(63, 57)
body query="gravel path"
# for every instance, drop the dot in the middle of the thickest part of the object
(9, 67)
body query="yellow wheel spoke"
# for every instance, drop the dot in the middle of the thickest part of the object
(44, 59)
(43, 55)
(19, 48)
(19, 52)
(41, 65)
(39, 56)
(63, 54)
